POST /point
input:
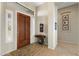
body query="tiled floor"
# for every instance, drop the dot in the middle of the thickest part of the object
(42, 50)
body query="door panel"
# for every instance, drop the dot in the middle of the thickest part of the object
(23, 26)
(20, 29)
(28, 30)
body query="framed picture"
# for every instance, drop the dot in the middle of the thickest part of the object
(41, 27)
(9, 26)
(65, 22)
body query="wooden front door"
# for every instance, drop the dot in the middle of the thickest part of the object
(23, 29)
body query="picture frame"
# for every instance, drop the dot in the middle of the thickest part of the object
(65, 22)
(41, 27)
(9, 25)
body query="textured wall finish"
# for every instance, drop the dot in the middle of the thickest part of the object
(70, 35)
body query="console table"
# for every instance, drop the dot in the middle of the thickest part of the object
(40, 38)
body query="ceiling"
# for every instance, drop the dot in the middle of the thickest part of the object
(35, 4)
(58, 4)
(64, 4)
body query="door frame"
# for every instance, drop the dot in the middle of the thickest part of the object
(25, 13)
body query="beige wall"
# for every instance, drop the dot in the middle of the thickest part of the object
(71, 36)
(7, 47)
(78, 21)
(0, 28)
(43, 20)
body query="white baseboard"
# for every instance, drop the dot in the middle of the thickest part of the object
(51, 48)
(68, 42)
(2, 54)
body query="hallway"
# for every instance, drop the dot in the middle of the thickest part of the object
(58, 22)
